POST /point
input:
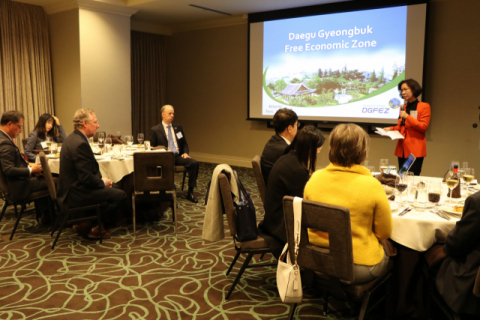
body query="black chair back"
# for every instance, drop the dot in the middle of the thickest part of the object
(257, 169)
(147, 164)
(48, 176)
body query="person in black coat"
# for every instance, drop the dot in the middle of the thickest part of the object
(80, 182)
(456, 276)
(172, 136)
(20, 174)
(288, 177)
(285, 123)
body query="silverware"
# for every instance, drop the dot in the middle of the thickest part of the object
(404, 212)
(441, 215)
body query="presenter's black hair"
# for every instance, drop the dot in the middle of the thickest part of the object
(284, 118)
(306, 143)
(40, 127)
(413, 85)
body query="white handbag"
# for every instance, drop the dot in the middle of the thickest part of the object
(289, 282)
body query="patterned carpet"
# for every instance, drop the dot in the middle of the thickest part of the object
(157, 275)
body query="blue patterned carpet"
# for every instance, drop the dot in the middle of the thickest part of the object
(157, 275)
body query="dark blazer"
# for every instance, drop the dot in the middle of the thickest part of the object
(288, 178)
(158, 137)
(456, 277)
(14, 168)
(273, 150)
(79, 170)
(35, 143)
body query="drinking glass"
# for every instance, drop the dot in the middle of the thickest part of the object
(108, 144)
(372, 169)
(410, 178)
(468, 176)
(53, 148)
(128, 140)
(49, 141)
(452, 183)
(90, 140)
(384, 164)
(118, 134)
(392, 169)
(140, 138)
(434, 193)
(421, 193)
(101, 135)
(146, 145)
(101, 142)
(401, 186)
(465, 165)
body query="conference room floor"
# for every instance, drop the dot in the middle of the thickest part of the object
(156, 275)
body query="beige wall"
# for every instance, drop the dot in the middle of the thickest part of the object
(207, 83)
(105, 68)
(65, 49)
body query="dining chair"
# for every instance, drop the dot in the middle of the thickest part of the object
(333, 266)
(250, 248)
(183, 169)
(154, 172)
(23, 204)
(65, 212)
(257, 169)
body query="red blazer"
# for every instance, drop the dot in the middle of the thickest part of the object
(414, 133)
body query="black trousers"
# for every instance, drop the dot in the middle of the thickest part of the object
(192, 169)
(416, 167)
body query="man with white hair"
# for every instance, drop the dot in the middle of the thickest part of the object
(80, 182)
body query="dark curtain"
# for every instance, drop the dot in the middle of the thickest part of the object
(148, 81)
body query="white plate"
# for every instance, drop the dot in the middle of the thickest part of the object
(449, 210)
(426, 205)
(393, 206)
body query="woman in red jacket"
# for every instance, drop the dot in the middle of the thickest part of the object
(412, 124)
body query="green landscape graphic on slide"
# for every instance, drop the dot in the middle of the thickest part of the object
(325, 89)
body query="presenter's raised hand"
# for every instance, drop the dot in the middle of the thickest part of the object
(108, 183)
(185, 156)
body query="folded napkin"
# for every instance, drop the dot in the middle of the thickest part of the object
(387, 179)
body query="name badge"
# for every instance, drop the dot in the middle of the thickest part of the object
(179, 135)
(44, 144)
(413, 114)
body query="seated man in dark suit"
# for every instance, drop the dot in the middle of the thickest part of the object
(456, 276)
(80, 182)
(285, 123)
(19, 173)
(172, 136)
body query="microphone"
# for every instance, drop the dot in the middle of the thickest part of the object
(403, 109)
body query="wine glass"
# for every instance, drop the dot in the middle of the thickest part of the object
(452, 182)
(109, 143)
(118, 134)
(468, 176)
(140, 138)
(434, 192)
(401, 186)
(384, 164)
(101, 142)
(49, 141)
(128, 140)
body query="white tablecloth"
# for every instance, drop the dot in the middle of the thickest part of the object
(114, 170)
(419, 230)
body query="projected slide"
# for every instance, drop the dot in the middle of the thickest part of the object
(335, 65)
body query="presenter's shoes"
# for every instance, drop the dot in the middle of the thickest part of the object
(191, 197)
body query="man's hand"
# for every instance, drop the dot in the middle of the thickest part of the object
(403, 114)
(36, 167)
(57, 121)
(108, 183)
(185, 156)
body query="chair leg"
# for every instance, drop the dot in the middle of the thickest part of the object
(99, 224)
(134, 218)
(325, 303)
(57, 219)
(65, 219)
(239, 275)
(175, 211)
(16, 212)
(5, 205)
(293, 306)
(183, 182)
(233, 263)
(363, 309)
(22, 209)
(261, 257)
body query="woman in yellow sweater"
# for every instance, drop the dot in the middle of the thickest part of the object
(348, 184)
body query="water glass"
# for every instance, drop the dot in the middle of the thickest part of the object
(53, 148)
(421, 193)
(128, 140)
(384, 164)
(412, 193)
(434, 193)
(392, 169)
(146, 145)
(140, 138)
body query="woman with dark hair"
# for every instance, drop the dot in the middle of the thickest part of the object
(344, 182)
(288, 178)
(412, 123)
(47, 125)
